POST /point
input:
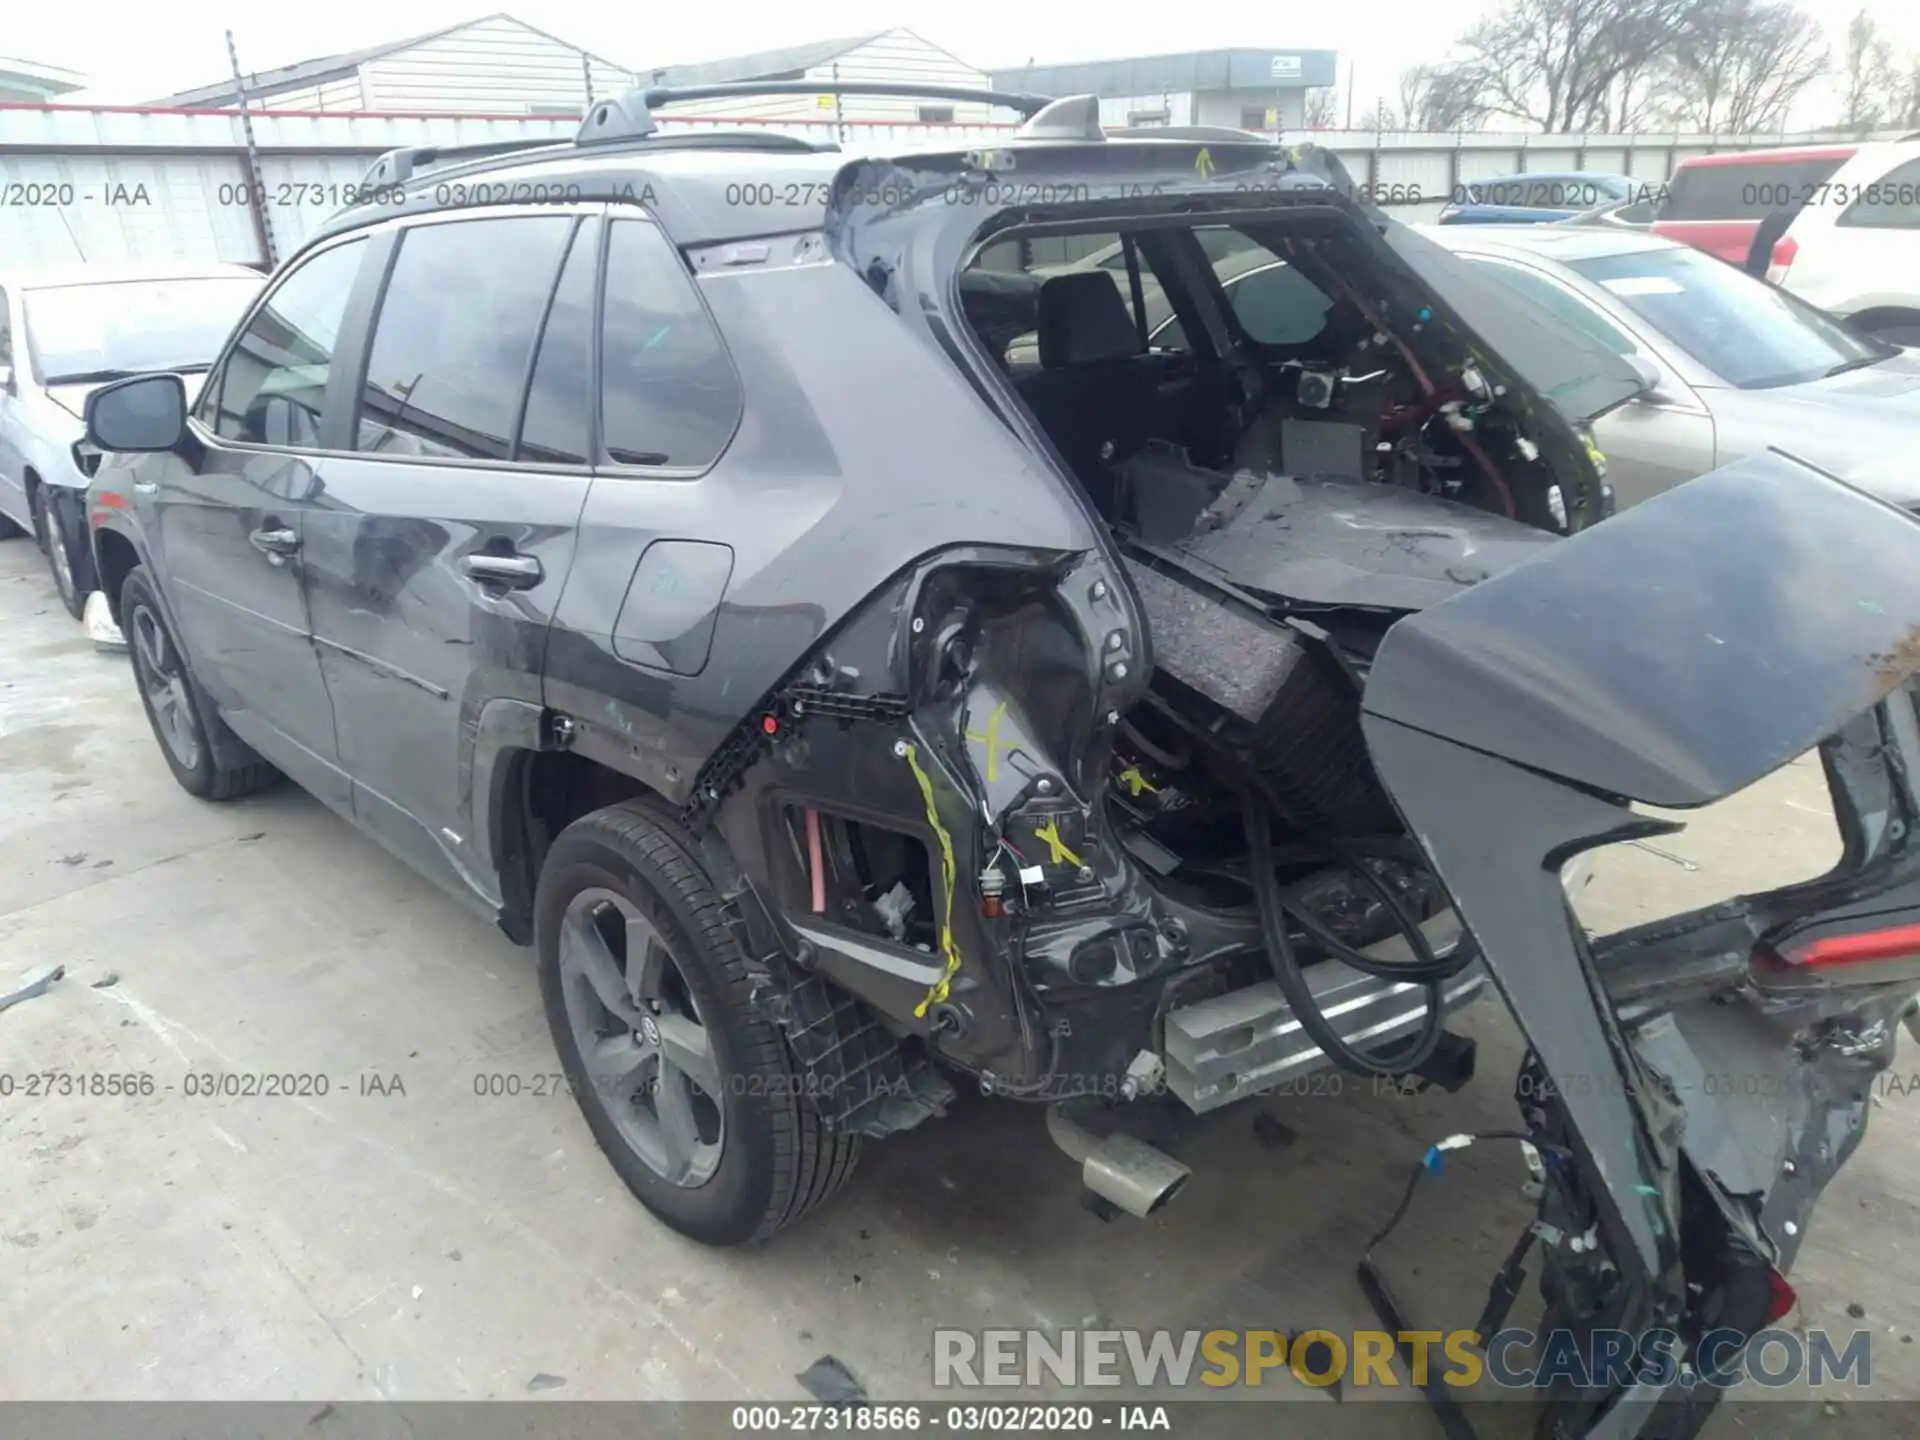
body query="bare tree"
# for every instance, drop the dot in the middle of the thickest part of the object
(1556, 63)
(1380, 116)
(1440, 97)
(1322, 108)
(1867, 80)
(1736, 66)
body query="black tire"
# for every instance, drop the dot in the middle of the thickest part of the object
(63, 536)
(776, 1160)
(156, 655)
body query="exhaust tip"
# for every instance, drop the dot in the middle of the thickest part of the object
(1133, 1175)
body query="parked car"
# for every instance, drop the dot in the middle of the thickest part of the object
(63, 334)
(1733, 366)
(1853, 247)
(1717, 202)
(693, 588)
(1635, 213)
(1535, 198)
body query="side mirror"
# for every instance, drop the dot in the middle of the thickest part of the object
(146, 413)
(1645, 372)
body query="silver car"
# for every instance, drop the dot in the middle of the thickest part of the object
(63, 334)
(1732, 366)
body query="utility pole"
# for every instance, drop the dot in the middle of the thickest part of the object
(1353, 71)
(256, 187)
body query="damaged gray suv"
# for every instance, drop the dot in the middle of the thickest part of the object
(873, 624)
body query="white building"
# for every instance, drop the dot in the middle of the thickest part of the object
(25, 82)
(496, 65)
(1240, 89)
(896, 55)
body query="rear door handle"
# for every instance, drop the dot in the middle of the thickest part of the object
(274, 541)
(516, 572)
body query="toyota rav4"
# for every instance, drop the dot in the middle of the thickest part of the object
(872, 621)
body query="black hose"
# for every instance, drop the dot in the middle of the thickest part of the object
(1275, 905)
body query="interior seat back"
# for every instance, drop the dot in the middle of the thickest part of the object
(1095, 389)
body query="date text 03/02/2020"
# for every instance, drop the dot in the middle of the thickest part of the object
(964, 1419)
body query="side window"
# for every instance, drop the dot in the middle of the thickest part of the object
(455, 332)
(668, 392)
(1890, 203)
(555, 429)
(274, 383)
(1559, 303)
(1274, 303)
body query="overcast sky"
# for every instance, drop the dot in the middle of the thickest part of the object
(143, 52)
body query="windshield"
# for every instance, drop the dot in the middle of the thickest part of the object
(97, 332)
(1748, 333)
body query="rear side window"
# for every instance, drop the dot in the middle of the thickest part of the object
(455, 335)
(668, 392)
(1889, 203)
(555, 429)
(1556, 301)
(1747, 190)
(273, 387)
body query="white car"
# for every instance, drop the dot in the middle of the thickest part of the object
(1854, 248)
(63, 334)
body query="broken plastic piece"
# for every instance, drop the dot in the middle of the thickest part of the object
(37, 983)
(831, 1383)
(893, 909)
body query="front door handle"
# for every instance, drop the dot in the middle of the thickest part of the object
(516, 572)
(275, 541)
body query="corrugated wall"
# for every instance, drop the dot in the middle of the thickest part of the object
(898, 55)
(491, 67)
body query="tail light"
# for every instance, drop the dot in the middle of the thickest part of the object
(1899, 942)
(1784, 249)
(1780, 1296)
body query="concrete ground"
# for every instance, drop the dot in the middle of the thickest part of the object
(406, 1237)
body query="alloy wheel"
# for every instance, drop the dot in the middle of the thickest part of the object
(165, 686)
(647, 1053)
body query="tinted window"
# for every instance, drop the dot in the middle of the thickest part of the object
(1749, 334)
(1558, 302)
(455, 333)
(1889, 203)
(1274, 303)
(555, 430)
(1745, 190)
(668, 394)
(274, 384)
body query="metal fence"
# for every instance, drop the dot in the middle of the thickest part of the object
(130, 183)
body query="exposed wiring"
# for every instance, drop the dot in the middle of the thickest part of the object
(1275, 906)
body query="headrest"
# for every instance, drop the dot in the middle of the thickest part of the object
(1084, 318)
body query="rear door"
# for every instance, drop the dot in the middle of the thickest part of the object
(225, 518)
(436, 553)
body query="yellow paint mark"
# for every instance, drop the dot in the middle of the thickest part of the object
(1203, 163)
(1056, 847)
(949, 951)
(1136, 783)
(991, 740)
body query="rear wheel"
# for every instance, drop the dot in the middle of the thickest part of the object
(63, 535)
(689, 1092)
(179, 713)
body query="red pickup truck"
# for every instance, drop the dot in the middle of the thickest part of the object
(1716, 202)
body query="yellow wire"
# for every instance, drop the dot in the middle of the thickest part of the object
(948, 949)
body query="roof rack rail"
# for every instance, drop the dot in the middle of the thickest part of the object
(398, 166)
(630, 116)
